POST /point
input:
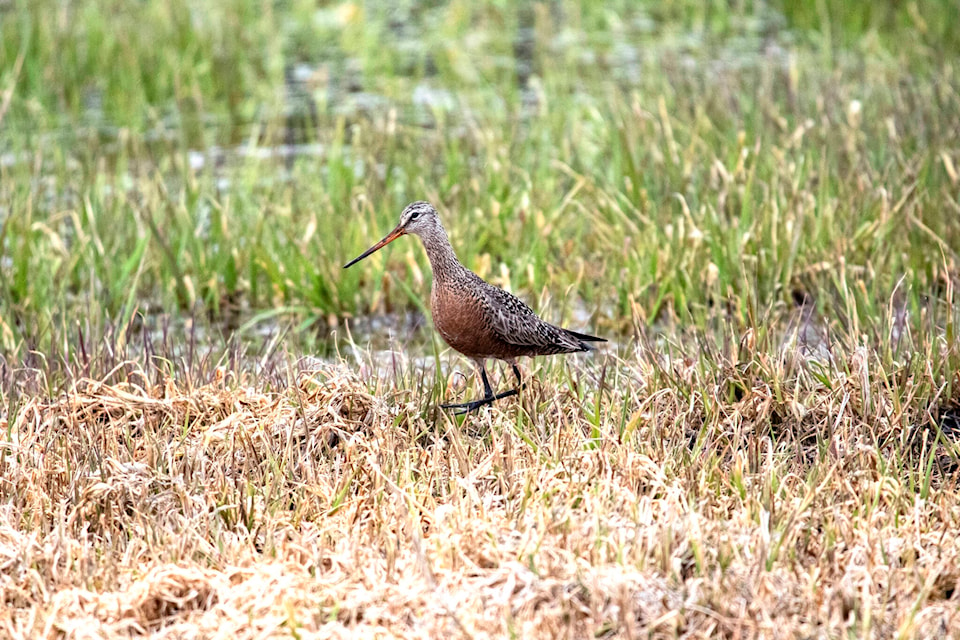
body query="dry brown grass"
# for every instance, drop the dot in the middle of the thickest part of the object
(743, 500)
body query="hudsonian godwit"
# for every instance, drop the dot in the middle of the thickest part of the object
(474, 317)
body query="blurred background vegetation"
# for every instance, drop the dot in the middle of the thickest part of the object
(635, 164)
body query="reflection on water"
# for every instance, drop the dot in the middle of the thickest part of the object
(427, 74)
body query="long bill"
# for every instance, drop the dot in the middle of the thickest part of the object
(393, 235)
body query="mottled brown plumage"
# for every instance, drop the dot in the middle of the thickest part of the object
(474, 317)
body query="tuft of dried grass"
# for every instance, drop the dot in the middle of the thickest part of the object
(657, 495)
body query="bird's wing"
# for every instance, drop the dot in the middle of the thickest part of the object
(516, 323)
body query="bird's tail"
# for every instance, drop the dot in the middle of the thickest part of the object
(583, 337)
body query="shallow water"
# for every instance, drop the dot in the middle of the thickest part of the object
(419, 92)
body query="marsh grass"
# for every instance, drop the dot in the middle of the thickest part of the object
(741, 487)
(704, 170)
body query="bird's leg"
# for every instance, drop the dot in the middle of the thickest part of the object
(516, 372)
(488, 395)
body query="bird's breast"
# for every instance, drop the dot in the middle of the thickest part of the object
(464, 323)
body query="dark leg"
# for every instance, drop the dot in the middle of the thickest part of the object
(516, 372)
(488, 397)
(487, 389)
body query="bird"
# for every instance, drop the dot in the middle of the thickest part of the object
(474, 317)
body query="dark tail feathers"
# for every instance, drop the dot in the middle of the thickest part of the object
(583, 337)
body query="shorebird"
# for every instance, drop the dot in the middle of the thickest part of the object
(474, 317)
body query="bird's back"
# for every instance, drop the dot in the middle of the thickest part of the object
(484, 321)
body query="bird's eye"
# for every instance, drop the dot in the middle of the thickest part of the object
(413, 216)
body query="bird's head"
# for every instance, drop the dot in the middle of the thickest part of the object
(418, 218)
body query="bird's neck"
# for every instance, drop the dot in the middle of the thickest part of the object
(443, 261)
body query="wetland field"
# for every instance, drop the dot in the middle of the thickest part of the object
(210, 429)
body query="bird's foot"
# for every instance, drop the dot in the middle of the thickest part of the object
(466, 407)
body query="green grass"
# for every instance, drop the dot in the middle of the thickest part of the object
(721, 162)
